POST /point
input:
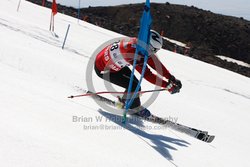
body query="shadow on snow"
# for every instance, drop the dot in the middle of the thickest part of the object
(160, 143)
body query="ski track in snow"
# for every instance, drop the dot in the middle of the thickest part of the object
(39, 34)
(220, 88)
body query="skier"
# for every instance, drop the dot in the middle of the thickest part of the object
(111, 64)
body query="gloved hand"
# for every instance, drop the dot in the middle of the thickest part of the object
(174, 85)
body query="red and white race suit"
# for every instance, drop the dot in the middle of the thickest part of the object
(121, 54)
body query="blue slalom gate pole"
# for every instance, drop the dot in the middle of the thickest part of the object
(141, 48)
(65, 38)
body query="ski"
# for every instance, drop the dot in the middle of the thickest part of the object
(193, 132)
(198, 134)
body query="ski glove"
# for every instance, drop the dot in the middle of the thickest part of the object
(174, 85)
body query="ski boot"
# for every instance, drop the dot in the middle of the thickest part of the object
(140, 111)
(144, 112)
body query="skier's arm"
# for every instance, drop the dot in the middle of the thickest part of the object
(174, 85)
(152, 78)
(156, 64)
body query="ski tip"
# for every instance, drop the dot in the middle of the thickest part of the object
(204, 136)
(210, 139)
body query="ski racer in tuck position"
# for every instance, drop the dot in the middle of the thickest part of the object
(111, 64)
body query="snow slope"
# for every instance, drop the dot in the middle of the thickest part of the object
(37, 126)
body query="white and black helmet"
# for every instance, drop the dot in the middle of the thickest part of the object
(155, 41)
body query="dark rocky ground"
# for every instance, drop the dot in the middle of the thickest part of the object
(206, 33)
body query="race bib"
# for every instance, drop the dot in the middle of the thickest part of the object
(116, 56)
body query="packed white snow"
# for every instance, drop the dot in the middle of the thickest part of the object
(38, 122)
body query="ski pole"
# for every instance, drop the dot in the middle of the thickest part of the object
(107, 92)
